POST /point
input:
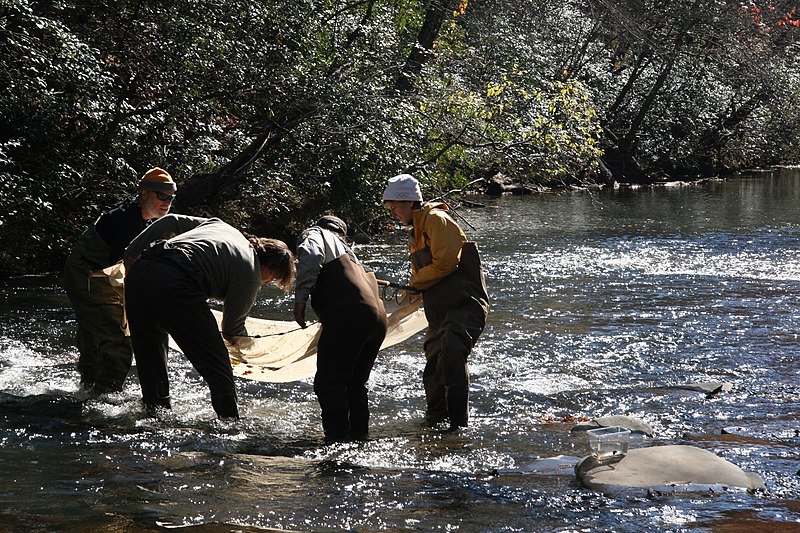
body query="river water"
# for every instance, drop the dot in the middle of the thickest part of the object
(602, 302)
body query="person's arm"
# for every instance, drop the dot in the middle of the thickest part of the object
(118, 226)
(166, 227)
(446, 239)
(310, 258)
(238, 302)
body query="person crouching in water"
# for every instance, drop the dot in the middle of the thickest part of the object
(166, 291)
(446, 268)
(103, 343)
(346, 300)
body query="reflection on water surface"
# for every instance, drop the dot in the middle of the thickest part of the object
(601, 301)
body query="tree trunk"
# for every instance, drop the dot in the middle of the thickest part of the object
(622, 157)
(714, 138)
(435, 14)
(198, 188)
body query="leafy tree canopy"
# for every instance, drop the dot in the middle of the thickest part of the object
(270, 114)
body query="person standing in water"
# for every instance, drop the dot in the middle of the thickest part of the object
(104, 347)
(354, 323)
(167, 289)
(447, 270)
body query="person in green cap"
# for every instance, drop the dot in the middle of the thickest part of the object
(354, 323)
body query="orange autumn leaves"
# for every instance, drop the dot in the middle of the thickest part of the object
(771, 13)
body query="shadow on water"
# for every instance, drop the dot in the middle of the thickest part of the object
(42, 406)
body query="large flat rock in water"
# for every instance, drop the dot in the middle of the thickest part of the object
(676, 468)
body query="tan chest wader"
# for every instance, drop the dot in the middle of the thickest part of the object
(103, 337)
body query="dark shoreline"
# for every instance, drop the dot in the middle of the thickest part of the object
(502, 185)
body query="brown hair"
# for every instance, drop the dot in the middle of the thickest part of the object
(276, 256)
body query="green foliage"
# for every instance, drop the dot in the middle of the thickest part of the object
(494, 103)
(687, 87)
(541, 131)
(544, 91)
(54, 93)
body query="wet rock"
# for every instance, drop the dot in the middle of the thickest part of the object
(706, 387)
(663, 469)
(634, 425)
(501, 184)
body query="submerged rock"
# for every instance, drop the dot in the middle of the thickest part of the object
(560, 464)
(61, 406)
(706, 387)
(765, 434)
(676, 468)
(634, 425)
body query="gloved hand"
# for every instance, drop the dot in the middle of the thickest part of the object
(243, 342)
(239, 345)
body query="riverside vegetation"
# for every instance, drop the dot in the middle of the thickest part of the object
(269, 114)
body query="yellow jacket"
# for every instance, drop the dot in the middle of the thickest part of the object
(435, 245)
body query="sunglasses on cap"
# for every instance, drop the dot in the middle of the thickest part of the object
(164, 197)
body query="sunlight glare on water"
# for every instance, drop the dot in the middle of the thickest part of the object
(603, 303)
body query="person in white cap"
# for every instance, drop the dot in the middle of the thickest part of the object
(104, 347)
(446, 269)
(346, 300)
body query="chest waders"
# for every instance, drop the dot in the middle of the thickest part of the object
(456, 309)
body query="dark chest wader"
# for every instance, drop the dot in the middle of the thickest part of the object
(456, 309)
(353, 320)
(467, 278)
(468, 275)
(342, 283)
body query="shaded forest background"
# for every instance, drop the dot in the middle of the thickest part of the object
(269, 114)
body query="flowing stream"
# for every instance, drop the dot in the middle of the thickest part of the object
(602, 302)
